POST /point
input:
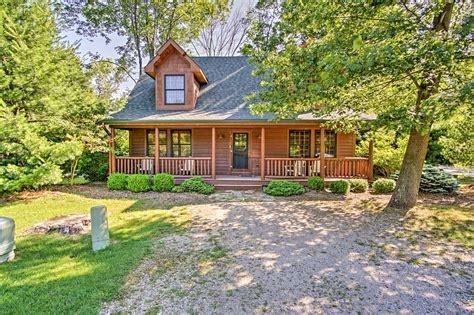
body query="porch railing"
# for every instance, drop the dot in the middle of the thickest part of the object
(291, 167)
(178, 166)
(347, 167)
(185, 166)
(135, 165)
(307, 167)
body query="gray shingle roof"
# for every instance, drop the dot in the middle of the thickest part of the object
(230, 80)
(222, 99)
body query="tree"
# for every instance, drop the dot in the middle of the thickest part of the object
(406, 61)
(458, 144)
(146, 24)
(48, 109)
(224, 35)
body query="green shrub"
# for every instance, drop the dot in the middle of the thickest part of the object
(117, 181)
(434, 180)
(139, 183)
(198, 185)
(177, 189)
(384, 185)
(340, 187)
(316, 183)
(93, 166)
(283, 188)
(163, 182)
(358, 185)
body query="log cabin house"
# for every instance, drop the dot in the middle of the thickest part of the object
(187, 117)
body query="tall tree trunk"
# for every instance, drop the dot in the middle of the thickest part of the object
(408, 184)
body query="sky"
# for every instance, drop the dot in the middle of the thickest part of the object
(98, 45)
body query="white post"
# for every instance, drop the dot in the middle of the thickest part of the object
(7, 239)
(100, 228)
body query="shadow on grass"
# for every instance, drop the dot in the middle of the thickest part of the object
(59, 274)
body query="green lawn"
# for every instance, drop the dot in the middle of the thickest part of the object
(452, 223)
(60, 274)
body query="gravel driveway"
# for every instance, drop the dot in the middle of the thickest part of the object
(299, 257)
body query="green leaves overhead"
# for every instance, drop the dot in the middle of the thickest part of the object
(358, 56)
(48, 108)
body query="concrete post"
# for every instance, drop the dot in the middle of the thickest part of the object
(100, 228)
(7, 239)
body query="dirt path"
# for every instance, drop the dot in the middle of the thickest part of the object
(299, 257)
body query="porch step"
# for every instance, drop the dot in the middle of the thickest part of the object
(238, 187)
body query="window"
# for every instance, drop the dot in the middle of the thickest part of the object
(181, 142)
(174, 89)
(150, 142)
(300, 143)
(330, 141)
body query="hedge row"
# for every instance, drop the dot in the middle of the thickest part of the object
(160, 182)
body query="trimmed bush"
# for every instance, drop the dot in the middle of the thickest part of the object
(316, 183)
(383, 185)
(139, 183)
(283, 188)
(177, 189)
(198, 185)
(340, 187)
(434, 180)
(117, 181)
(358, 185)
(163, 182)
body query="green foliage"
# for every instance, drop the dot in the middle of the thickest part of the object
(93, 166)
(358, 185)
(458, 143)
(316, 183)
(145, 24)
(434, 180)
(117, 181)
(163, 182)
(434, 155)
(198, 185)
(283, 188)
(177, 189)
(384, 185)
(48, 108)
(340, 187)
(138, 183)
(388, 151)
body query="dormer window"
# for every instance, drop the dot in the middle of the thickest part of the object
(174, 89)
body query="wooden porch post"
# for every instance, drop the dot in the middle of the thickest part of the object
(312, 143)
(322, 153)
(213, 152)
(112, 151)
(262, 154)
(370, 175)
(157, 151)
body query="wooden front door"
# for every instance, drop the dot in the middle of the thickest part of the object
(240, 149)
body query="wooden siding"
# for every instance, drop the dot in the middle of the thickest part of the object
(137, 140)
(174, 63)
(345, 145)
(276, 144)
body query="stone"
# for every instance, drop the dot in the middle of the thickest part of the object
(7, 239)
(100, 228)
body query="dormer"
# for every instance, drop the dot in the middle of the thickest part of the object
(177, 78)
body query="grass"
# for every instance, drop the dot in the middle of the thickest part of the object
(451, 223)
(60, 274)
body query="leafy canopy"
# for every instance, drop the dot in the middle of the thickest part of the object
(356, 57)
(48, 108)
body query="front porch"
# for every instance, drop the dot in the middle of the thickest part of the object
(243, 155)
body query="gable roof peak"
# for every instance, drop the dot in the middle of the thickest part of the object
(161, 55)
